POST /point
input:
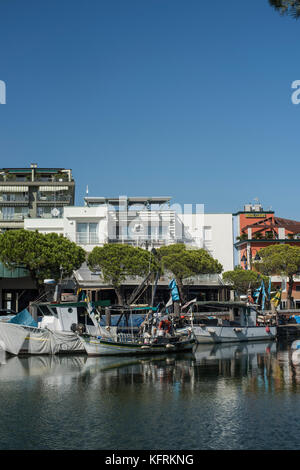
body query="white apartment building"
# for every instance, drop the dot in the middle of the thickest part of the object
(145, 222)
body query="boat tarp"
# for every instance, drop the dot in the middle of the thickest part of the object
(46, 341)
(15, 338)
(65, 341)
(133, 320)
(12, 337)
(38, 341)
(24, 318)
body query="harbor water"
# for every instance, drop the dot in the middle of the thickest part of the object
(230, 397)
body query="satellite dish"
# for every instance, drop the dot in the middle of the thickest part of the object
(138, 228)
(55, 212)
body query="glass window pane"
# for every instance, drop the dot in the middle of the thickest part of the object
(82, 228)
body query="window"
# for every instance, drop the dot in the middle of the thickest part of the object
(11, 197)
(87, 233)
(7, 300)
(207, 234)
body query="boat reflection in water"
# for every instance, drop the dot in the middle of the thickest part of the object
(265, 360)
(221, 397)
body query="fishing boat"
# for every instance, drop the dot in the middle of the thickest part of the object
(49, 328)
(155, 336)
(221, 322)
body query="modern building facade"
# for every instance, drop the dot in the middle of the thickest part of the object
(144, 222)
(149, 223)
(34, 193)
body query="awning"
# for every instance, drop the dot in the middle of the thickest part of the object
(53, 188)
(13, 189)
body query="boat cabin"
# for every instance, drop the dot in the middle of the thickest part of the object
(222, 313)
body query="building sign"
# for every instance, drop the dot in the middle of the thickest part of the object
(256, 216)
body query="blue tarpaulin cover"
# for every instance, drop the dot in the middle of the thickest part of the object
(133, 320)
(24, 318)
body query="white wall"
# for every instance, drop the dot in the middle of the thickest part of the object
(210, 231)
(45, 225)
(216, 233)
(74, 215)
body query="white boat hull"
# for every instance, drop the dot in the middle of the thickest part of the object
(229, 334)
(98, 347)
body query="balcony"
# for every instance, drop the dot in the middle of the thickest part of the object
(12, 217)
(200, 280)
(13, 200)
(62, 198)
(27, 177)
(144, 240)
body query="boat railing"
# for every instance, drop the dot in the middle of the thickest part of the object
(127, 338)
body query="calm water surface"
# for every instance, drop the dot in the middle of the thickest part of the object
(234, 397)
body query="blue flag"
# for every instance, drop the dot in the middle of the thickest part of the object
(174, 291)
(256, 294)
(263, 297)
(269, 289)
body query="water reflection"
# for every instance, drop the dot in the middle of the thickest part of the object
(264, 364)
(233, 396)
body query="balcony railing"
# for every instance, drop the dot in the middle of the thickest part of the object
(13, 217)
(202, 279)
(55, 198)
(48, 215)
(139, 240)
(28, 178)
(87, 238)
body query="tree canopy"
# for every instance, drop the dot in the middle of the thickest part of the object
(44, 255)
(288, 7)
(241, 279)
(281, 259)
(184, 263)
(117, 261)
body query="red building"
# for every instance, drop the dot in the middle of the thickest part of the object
(254, 229)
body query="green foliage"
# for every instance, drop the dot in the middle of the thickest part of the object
(288, 7)
(116, 261)
(279, 259)
(184, 263)
(44, 255)
(241, 279)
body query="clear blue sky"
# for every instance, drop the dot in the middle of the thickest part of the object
(182, 98)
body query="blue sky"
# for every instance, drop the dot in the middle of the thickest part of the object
(182, 98)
